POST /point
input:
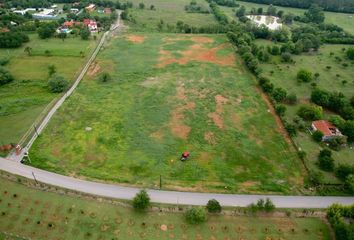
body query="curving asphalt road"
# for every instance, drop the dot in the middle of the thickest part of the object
(171, 197)
(13, 166)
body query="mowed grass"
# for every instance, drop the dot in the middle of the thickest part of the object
(284, 75)
(170, 12)
(343, 20)
(23, 100)
(40, 215)
(151, 111)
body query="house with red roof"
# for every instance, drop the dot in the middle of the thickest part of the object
(328, 129)
(92, 25)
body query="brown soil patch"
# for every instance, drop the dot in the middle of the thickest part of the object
(248, 184)
(220, 101)
(236, 119)
(93, 69)
(197, 52)
(181, 93)
(210, 138)
(163, 227)
(177, 127)
(202, 39)
(136, 38)
(158, 135)
(217, 119)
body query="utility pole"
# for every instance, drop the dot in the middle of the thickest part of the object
(34, 178)
(160, 182)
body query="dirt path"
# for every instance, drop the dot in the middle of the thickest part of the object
(278, 121)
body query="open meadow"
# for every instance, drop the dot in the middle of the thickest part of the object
(171, 93)
(41, 215)
(22, 100)
(169, 12)
(344, 20)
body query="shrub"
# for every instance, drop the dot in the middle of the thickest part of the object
(269, 205)
(279, 94)
(310, 112)
(317, 136)
(85, 34)
(260, 204)
(104, 77)
(349, 183)
(280, 109)
(304, 75)
(57, 84)
(350, 53)
(5, 76)
(336, 142)
(213, 206)
(325, 160)
(337, 120)
(195, 215)
(291, 129)
(4, 61)
(343, 171)
(141, 200)
(315, 178)
(286, 57)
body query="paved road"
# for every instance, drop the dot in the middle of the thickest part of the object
(58, 104)
(172, 197)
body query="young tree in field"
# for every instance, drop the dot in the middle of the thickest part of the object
(260, 11)
(280, 109)
(141, 200)
(350, 53)
(152, 7)
(279, 94)
(343, 171)
(28, 50)
(213, 206)
(304, 75)
(57, 84)
(195, 215)
(272, 10)
(315, 14)
(325, 160)
(291, 129)
(310, 112)
(269, 205)
(5, 76)
(104, 77)
(141, 5)
(52, 70)
(62, 36)
(85, 34)
(241, 12)
(349, 183)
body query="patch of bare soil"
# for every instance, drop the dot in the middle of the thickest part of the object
(94, 69)
(163, 227)
(158, 135)
(216, 116)
(201, 39)
(136, 38)
(197, 52)
(178, 128)
(210, 138)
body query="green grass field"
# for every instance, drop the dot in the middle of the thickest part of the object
(25, 98)
(43, 215)
(170, 12)
(346, 21)
(170, 93)
(284, 75)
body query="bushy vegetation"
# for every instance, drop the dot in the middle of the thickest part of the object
(213, 206)
(12, 39)
(5, 76)
(336, 215)
(195, 215)
(141, 200)
(325, 160)
(310, 112)
(57, 84)
(262, 205)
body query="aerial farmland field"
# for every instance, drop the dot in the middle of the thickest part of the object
(168, 94)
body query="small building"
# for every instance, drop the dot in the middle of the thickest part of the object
(328, 129)
(74, 10)
(92, 25)
(90, 7)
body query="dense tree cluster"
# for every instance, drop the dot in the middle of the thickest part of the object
(219, 14)
(5, 76)
(334, 101)
(336, 214)
(12, 39)
(228, 3)
(328, 5)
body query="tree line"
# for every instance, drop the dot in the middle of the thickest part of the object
(346, 6)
